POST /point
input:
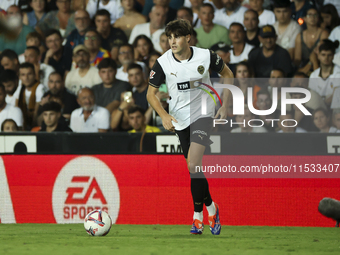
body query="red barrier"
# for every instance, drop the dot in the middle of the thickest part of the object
(153, 189)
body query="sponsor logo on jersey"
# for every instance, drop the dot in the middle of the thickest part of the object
(84, 184)
(183, 85)
(174, 74)
(200, 69)
(152, 73)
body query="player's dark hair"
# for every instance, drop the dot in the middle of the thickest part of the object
(106, 63)
(102, 12)
(147, 39)
(136, 108)
(188, 10)
(252, 11)
(52, 32)
(328, 45)
(239, 25)
(26, 65)
(51, 106)
(8, 75)
(8, 120)
(178, 27)
(133, 66)
(126, 45)
(207, 5)
(36, 49)
(11, 54)
(263, 91)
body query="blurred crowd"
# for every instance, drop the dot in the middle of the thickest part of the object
(83, 65)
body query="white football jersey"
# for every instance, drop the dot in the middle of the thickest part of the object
(187, 82)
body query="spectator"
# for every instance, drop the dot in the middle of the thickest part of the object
(51, 112)
(251, 23)
(61, 20)
(137, 121)
(286, 28)
(89, 118)
(170, 12)
(140, 85)
(307, 40)
(57, 89)
(277, 80)
(232, 12)
(9, 125)
(125, 58)
(8, 111)
(9, 60)
(239, 49)
(37, 14)
(264, 102)
(299, 10)
(107, 93)
(322, 121)
(119, 117)
(130, 19)
(30, 95)
(16, 44)
(109, 36)
(56, 55)
(195, 7)
(9, 79)
(33, 39)
(112, 6)
(222, 50)
(187, 14)
(289, 125)
(209, 33)
(93, 44)
(335, 36)
(329, 16)
(242, 121)
(42, 71)
(152, 59)
(152, 29)
(270, 56)
(335, 3)
(266, 17)
(84, 75)
(82, 23)
(142, 48)
(164, 43)
(301, 80)
(322, 79)
(193, 39)
(336, 118)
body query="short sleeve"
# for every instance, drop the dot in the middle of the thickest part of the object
(216, 63)
(157, 76)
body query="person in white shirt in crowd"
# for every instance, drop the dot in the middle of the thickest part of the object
(8, 111)
(324, 80)
(336, 118)
(126, 57)
(266, 17)
(322, 120)
(42, 70)
(33, 39)
(152, 29)
(288, 126)
(112, 6)
(10, 80)
(84, 75)
(243, 123)
(239, 48)
(335, 36)
(89, 118)
(286, 28)
(251, 24)
(233, 11)
(195, 7)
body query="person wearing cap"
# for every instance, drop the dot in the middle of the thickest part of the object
(270, 56)
(209, 33)
(84, 75)
(287, 29)
(52, 116)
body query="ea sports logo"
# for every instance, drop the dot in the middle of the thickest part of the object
(84, 184)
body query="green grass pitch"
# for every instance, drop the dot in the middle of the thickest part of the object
(51, 239)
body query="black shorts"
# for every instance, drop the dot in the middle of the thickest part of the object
(197, 132)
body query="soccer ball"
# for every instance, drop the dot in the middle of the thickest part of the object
(98, 223)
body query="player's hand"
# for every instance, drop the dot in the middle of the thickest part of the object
(167, 122)
(222, 112)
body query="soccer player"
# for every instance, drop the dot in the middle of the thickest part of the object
(185, 68)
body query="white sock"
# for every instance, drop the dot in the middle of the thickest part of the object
(198, 216)
(211, 209)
